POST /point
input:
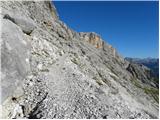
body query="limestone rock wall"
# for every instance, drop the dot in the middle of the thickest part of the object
(92, 38)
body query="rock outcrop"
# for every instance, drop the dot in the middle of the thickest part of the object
(50, 71)
(92, 38)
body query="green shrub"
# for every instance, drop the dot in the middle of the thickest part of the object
(99, 81)
(75, 61)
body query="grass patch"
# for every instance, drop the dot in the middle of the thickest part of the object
(100, 82)
(36, 53)
(44, 70)
(75, 61)
(154, 92)
(137, 83)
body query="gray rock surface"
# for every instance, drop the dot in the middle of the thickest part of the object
(14, 58)
(60, 73)
(27, 25)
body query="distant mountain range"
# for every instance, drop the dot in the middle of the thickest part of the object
(152, 63)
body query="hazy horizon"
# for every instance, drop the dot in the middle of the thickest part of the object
(130, 27)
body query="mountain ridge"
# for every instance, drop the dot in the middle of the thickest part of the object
(152, 63)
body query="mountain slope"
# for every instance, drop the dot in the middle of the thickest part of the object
(152, 63)
(59, 73)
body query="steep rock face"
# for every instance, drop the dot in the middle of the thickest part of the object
(92, 38)
(70, 74)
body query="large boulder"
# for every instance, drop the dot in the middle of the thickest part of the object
(26, 24)
(14, 58)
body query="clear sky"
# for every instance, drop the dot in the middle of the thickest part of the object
(130, 27)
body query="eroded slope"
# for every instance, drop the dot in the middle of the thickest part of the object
(67, 74)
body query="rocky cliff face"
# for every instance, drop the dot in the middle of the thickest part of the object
(51, 71)
(92, 38)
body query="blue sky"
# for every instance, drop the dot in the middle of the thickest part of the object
(130, 27)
